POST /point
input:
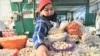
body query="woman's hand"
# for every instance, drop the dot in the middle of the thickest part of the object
(42, 51)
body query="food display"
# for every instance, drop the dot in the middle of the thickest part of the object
(73, 38)
(90, 54)
(56, 37)
(27, 52)
(62, 46)
(70, 54)
(59, 42)
(57, 54)
(64, 53)
(55, 31)
(8, 52)
(56, 34)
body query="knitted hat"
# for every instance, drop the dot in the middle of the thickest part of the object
(42, 3)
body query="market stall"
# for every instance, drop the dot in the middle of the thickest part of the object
(59, 40)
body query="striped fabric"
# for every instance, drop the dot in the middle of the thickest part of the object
(41, 30)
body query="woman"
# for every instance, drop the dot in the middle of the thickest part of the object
(46, 15)
(97, 24)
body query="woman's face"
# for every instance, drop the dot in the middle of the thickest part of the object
(48, 10)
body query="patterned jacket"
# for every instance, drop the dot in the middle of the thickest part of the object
(42, 27)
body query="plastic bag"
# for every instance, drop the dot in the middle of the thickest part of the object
(74, 28)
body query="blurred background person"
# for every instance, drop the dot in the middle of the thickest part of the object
(2, 27)
(97, 24)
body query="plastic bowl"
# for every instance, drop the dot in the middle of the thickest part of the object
(17, 42)
(67, 49)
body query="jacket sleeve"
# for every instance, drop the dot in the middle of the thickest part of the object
(39, 34)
